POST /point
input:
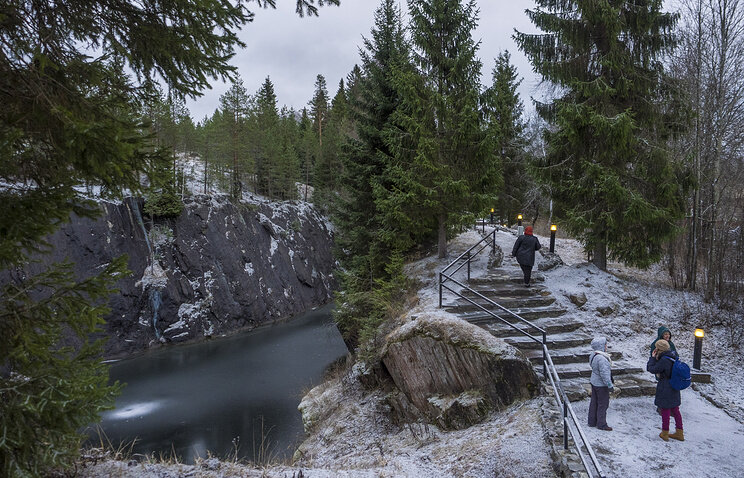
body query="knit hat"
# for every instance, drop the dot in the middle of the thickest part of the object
(528, 230)
(662, 345)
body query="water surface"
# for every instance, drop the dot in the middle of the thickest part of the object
(225, 394)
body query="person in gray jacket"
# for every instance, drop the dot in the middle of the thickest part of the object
(601, 381)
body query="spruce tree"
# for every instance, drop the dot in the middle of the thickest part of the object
(444, 171)
(502, 110)
(319, 116)
(266, 148)
(607, 163)
(369, 252)
(69, 118)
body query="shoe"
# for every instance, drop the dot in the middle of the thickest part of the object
(605, 428)
(678, 434)
(664, 435)
(592, 426)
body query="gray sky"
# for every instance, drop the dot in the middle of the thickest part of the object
(293, 50)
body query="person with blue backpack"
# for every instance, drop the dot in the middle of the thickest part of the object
(662, 363)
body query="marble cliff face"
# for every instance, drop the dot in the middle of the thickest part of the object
(219, 267)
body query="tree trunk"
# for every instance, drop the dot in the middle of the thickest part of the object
(442, 236)
(599, 258)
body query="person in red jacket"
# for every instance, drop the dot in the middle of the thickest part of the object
(524, 250)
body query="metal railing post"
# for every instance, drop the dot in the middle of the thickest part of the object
(545, 358)
(440, 290)
(493, 245)
(565, 423)
(468, 266)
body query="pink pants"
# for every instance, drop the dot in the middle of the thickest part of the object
(665, 413)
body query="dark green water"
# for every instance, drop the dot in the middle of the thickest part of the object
(216, 395)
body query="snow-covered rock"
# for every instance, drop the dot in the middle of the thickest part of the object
(220, 266)
(454, 372)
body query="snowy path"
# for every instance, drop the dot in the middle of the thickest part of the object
(713, 446)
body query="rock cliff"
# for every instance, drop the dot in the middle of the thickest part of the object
(219, 267)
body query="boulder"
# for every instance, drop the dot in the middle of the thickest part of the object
(453, 372)
(550, 260)
(578, 299)
(606, 310)
(496, 257)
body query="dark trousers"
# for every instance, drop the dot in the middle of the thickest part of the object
(598, 406)
(527, 270)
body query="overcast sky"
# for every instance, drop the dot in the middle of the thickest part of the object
(293, 50)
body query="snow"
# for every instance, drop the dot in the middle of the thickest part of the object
(355, 438)
(712, 447)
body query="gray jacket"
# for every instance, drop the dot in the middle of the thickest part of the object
(601, 368)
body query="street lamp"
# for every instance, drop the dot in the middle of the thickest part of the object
(519, 220)
(553, 228)
(491, 215)
(698, 351)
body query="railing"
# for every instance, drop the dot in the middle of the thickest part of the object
(570, 421)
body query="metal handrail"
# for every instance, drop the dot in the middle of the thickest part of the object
(570, 421)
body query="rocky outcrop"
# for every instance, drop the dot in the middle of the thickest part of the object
(453, 373)
(219, 267)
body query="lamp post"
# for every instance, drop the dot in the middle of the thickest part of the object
(491, 215)
(553, 228)
(519, 220)
(698, 351)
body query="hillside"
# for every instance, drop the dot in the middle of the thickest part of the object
(357, 439)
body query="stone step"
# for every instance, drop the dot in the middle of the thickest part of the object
(631, 385)
(567, 371)
(463, 305)
(529, 313)
(554, 342)
(508, 290)
(549, 325)
(564, 356)
(500, 276)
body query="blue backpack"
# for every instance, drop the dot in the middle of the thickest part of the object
(681, 377)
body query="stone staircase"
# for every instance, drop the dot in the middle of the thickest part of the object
(568, 344)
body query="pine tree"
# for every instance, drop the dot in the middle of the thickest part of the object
(502, 110)
(607, 163)
(234, 109)
(328, 167)
(307, 146)
(445, 170)
(288, 167)
(319, 116)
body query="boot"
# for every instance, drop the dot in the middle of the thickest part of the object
(664, 435)
(678, 434)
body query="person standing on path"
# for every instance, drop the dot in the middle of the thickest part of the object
(663, 334)
(667, 398)
(601, 381)
(524, 250)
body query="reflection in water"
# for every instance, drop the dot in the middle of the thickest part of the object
(224, 395)
(134, 410)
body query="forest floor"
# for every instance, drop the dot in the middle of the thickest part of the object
(358, 440)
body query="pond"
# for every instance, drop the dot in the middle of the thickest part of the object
(230, 396)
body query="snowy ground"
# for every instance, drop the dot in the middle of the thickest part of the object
(359, 442)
